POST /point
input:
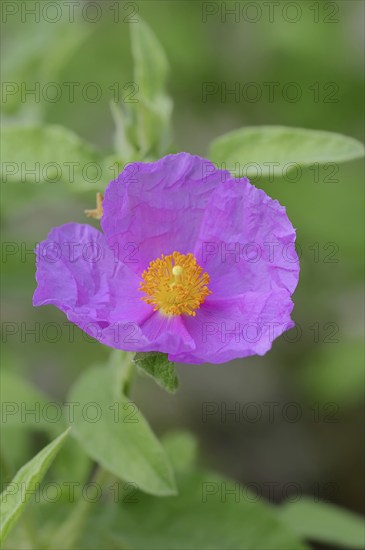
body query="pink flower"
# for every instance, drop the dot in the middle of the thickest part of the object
(191, 262)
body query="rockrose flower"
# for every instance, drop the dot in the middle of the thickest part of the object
(190, 262)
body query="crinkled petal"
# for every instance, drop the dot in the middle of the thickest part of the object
(157, 208)
(246, 242)
(78, 273)
(241, 237)
(237, 327)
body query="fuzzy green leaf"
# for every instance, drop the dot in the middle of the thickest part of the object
(16, 495)
(324, 523)
(157, 365)
(275, 150)
(210, 512)
(150, 62)
(112, 431)
(51, 154)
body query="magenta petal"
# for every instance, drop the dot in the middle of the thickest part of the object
(241, 237)
(73, 269)
(237, 327)
(246, 242)
(167, 334)
(157, 208)
(79, 274)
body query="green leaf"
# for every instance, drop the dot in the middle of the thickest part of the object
(209, 512)
(113, 432)
(16, 495)
(157, 365)
(152, 111)
(123, 140)
(153, 125)
(52, 154)
(143, 122)
(324, 523)
(182, 449)
(72, 464)
(150, 62)
(254, 150)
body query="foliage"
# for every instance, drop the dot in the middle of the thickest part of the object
(174, 503)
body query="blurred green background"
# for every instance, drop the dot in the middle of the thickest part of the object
(318, 367)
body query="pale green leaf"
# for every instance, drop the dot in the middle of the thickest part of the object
(112, 431)
(182, 449)
(150, 62)
(275, 150)
(157, 365)
(325, 523)
(210, 512)
(123, 141)
(51, 154)
(152, 111)
(153, 125)
(16, 495)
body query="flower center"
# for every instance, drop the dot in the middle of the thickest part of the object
(175, 284)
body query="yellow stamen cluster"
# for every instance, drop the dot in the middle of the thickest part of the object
(175, 284)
